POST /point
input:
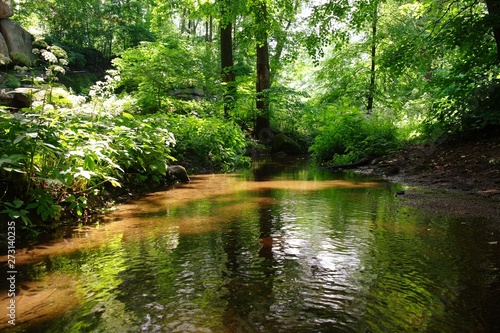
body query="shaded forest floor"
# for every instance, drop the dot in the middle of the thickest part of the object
(467, 164)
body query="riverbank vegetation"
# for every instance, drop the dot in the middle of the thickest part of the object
(208, 84)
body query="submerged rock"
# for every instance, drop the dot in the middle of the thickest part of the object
(179, 173)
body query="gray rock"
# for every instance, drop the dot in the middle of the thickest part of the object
(6, 9)
(19, 42)
(4, 50)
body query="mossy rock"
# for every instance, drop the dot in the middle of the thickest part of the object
(12, 82)
(21, 59)
(4, 60)
(285, 144)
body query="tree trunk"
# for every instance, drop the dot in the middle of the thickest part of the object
(209, 29)
(494, 13)
(263, 83)
(227, 65)
(182, 26)
(261, 129)
(371, 89)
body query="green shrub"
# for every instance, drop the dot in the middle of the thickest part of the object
(208, 144)
(349, 135)
(464, 100)
(55, 159)
(153, 71)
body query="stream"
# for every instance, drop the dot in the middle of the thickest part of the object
(281, 247)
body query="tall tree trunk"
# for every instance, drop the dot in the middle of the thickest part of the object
(261, 129)
(494, 13)
(371, 89)
(263, 83)
(182, 26)
(227, 66)
(208, 29)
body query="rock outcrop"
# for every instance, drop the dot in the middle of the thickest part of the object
(6, 9)
(15, 43)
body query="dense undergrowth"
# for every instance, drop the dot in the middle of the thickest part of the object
(56, 161)
(63, 156)
(349, 135)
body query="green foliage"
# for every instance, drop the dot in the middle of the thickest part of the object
(53, 59)
(108, 27)
(54, 159)
(15, 211)
(440, 65)
(80, 82)
(153, 72)
(292, 114)
(208, 144)
(465, 101)
(348, 135)
(59, 156)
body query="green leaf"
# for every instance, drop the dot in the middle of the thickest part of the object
(50, 146)
(113, 181)
(71, 198)
(128, 115)
(11, 159)
(19, 138)
(26, 219)
(84, 173)
(89, 163)
(18, 203)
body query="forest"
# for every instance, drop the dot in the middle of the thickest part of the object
(121, 89)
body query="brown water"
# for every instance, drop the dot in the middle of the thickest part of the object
(283, 247)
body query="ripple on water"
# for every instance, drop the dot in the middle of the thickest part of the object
(325, 260)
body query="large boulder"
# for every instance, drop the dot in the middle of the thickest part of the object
(5, 9)
(4, 51)
(19, 42)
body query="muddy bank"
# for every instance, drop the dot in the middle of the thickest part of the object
(466, 165)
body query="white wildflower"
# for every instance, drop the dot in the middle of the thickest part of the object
(58, 69)
(38, 80)
(48, 107)
(49, 56)
(77, 100)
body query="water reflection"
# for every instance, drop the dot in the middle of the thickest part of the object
(280, 248)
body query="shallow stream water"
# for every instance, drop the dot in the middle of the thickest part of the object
(283, 247)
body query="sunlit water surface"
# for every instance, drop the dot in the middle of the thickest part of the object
(279, 248)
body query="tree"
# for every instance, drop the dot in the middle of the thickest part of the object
(108, 27)
(263, 71)
(226, 56)
(494, 17)
(371, 89)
